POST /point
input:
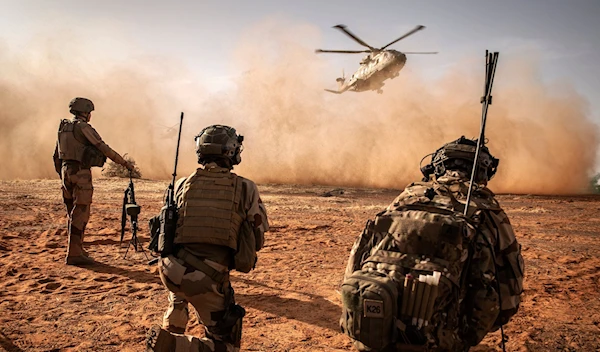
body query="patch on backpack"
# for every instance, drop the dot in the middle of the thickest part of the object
(373, 308)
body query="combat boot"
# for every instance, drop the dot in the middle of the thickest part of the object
(80, 260)
(160, 340)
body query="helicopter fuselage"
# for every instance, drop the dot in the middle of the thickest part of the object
(374, 70)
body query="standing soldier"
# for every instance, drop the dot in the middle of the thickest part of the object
(221, 225)
(78, 148)
(425, 277)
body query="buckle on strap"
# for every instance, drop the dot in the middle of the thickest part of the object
(200, 265)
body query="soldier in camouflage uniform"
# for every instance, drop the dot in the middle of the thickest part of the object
(213, 205)
(497, 261)
(491, 281)
(78, 148)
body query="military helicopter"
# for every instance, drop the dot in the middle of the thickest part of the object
(375, 68)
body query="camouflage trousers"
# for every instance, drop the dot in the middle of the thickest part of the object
(210, 299)
(77, 192)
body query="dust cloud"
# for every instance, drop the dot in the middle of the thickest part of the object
(295, 132)
(132, 100)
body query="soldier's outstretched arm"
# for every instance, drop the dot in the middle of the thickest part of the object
(93, 137)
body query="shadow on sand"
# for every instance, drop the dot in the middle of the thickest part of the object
(135, 275)
(318, 311)
(7, 344)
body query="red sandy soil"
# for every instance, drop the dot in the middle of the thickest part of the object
(292, 298)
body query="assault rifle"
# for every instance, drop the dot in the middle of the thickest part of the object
(163, 241)
(131, 209)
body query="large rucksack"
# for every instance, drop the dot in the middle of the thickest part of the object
(405, 277)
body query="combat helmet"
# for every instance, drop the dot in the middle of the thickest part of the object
(459, 155)
(81, 105)
(219, 143)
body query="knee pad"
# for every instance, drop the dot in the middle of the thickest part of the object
(229, 327)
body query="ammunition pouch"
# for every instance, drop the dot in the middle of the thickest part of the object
(369, 301)
(245, 257)
(168, 223)
(92, 156)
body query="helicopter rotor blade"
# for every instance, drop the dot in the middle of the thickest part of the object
(416, 29)
(419, 52)
(342, 28)
(342, 51)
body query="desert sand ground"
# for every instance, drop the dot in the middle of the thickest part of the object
(292, 297)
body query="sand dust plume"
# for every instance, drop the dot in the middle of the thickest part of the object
(295, 132)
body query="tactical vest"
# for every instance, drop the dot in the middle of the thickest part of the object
(71, 143)
(209, 209)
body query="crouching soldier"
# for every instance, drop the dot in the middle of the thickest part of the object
(424, 277)
(221, 225)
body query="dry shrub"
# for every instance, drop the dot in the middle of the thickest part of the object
(112, 169)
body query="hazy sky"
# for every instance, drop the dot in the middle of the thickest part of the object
(202, 35)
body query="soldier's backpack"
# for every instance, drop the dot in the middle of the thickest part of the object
(402, 284)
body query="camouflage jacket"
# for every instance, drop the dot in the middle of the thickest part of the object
(496, 261)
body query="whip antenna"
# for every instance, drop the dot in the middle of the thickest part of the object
(491, 60)
(177, 150)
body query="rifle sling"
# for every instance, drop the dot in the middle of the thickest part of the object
(200, 265)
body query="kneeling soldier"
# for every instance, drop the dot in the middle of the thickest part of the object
(221, 225)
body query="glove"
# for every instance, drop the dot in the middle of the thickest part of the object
(129, 166)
